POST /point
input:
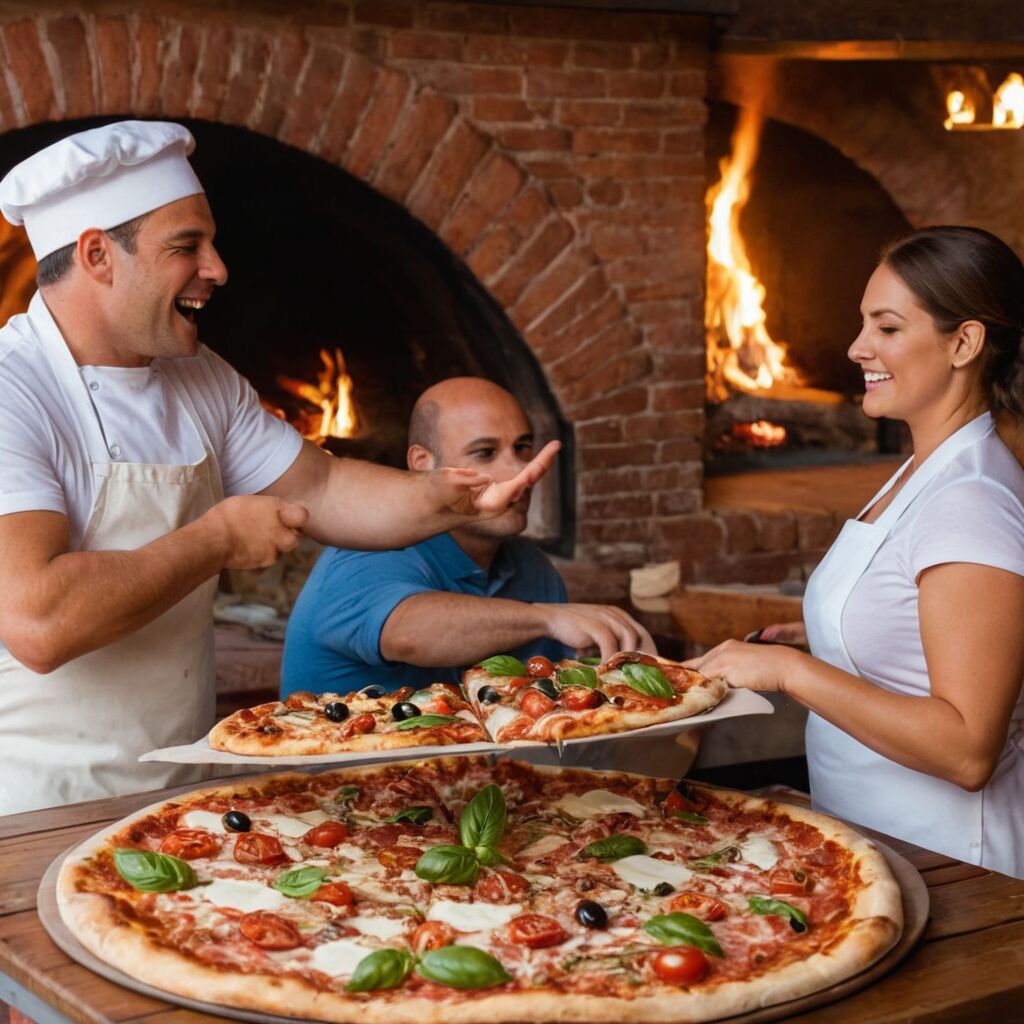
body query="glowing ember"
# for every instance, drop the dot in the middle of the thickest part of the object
(960, 109)
(759, 434)
(1008, 103)
(740, 352)
(331, 397)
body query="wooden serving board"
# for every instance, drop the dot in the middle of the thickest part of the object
(915, 916)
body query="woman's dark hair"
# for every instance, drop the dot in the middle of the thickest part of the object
(960, 274)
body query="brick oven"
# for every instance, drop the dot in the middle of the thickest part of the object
(548, 167)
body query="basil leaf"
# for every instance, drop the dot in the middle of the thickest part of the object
(426, 721)
(678, 928)
(453, 864)
(149, 871)
(385, 968)
(482, 822)
(503, 665)
(488, 855)
(613, 848)
(346, 793)
(589, 660)
(649, 680)
(577, 677)
(763, 905)
(300, 882)
(690, 816)
(723, 856)
(462, 967)
(417, 815)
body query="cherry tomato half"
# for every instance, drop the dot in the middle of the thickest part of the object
(680, 965)
(432, 935)
(675, 801)
(540, 667)
(536, 931)
(300, 699)
(500, 886)
(268, 931)
(577, 698)
(258, 848)
(338, 894)
(789, 882)
(190, 844)
(535, 704)
(404, 857)
(328, 833)
(361, 724)
(699, 904)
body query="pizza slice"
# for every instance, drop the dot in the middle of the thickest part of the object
(367, 720)
(551, 702)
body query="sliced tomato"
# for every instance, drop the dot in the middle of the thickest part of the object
(535, 704)
(440, 706)
(501, 886)
(675, 801)
(269, 931)
(328, 833)
(789, 882)
(338, 894)
(578, 698)
(404, 857)
(699, 904)
(190, 844)
(432, 935)
(258, 848)
(679, 965)
(536, 931)
(540, 667)
(361, 724)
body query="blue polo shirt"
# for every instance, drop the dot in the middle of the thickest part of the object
(332, 644)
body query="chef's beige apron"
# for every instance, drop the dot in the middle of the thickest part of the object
(852, 781)
(75, 733)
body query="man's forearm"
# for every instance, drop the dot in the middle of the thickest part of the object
(439, 629)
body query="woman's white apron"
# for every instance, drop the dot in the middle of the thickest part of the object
(852, 781)
(75, 733)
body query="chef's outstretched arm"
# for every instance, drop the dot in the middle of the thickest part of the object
(972, 629)
(357, 504)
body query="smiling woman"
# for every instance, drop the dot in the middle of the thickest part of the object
(915, 618)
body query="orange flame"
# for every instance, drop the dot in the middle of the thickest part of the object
(759, 433)
(740, 352)
(331, 396)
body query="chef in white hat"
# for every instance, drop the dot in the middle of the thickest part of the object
(135, 465)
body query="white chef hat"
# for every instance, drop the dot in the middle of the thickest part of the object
(98, 179)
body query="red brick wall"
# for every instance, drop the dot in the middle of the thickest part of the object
(558, 152)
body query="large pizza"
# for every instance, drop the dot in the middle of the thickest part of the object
(458, 890)
(504, 700)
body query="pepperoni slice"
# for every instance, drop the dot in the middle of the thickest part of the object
(700, 905)
(536, 931)
(258, 848)
(190, 844)
(501, 887)
(404, 857)
(269, 931)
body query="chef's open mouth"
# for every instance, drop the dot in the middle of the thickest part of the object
(187, 307)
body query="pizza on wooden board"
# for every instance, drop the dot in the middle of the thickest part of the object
(456, 890)
(508, 701)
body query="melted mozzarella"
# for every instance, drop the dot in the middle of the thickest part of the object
(242, 895)
(378, 927)
(297, 825)
(646, 872)
(473, 917)
(760, 852)
(203, 819)
(597, 802)
(499, 718)
(338, 957)
(296, 721)
(542, 846)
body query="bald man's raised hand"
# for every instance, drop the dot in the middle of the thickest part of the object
(471, 493)
(254, 529)
(603, 626)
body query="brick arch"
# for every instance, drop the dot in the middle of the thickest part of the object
(314, 92)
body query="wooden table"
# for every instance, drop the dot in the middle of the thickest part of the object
(968, 967)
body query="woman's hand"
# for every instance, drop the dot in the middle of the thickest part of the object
(748, 666)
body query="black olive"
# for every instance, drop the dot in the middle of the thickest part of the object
(236, 821)
(798, 926)
(591, 914)
(373, 690)
(488, 695)
(336, 711)
(663, 889)
(547, 687)
(403, 710)
(617, 701)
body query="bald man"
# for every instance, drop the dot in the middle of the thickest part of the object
(426, 612)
